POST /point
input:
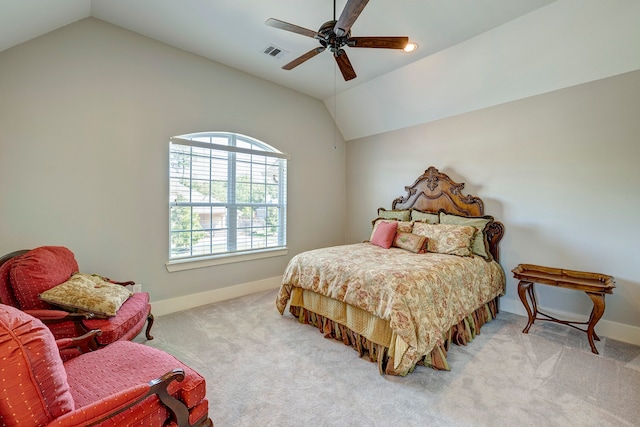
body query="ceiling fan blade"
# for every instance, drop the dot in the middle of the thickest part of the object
(378, 42)
(345, 65)
(276, 23)
(299, 60)
(350, 13)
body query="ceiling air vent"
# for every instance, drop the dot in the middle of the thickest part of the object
(274, 51)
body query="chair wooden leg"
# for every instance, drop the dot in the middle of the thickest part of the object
(178, 408)
(207, 422)
(147, 332)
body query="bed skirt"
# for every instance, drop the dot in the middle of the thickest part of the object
(372, 337)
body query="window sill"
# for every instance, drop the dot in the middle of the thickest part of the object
(189, 264)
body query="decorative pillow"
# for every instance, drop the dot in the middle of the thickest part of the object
(404, 226)
(410, 242)
(427, 217)
(38, 270)
(88, 293)
(400, 215)
(445, 238)
(384, 234)
(480, 245)
(34, 388)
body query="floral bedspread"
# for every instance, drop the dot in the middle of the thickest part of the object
(421, 295)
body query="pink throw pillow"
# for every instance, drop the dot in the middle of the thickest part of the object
(384, 234)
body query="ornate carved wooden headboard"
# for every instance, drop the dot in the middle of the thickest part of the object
(434, 192)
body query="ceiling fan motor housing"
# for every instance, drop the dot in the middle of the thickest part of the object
(328, 38)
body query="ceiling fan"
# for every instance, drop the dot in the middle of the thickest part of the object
(336, 34)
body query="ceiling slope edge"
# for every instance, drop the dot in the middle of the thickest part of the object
(24, 21)
(566, 43)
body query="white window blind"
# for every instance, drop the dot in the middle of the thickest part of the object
(227, 195)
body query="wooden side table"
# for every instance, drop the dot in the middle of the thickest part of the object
(594, 284)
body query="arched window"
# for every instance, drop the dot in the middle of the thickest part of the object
(227, 196)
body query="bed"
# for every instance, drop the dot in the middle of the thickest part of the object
(428, 276)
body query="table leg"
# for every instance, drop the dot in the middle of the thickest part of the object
(523, 288)
(596, 314)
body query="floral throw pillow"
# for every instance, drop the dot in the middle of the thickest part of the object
(410, 242)
(480, 245)
(88, 293)
(447, 239)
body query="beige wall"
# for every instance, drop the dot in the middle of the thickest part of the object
(560, 170)
(86, 114)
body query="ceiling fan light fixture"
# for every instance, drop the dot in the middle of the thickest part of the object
(410, 47)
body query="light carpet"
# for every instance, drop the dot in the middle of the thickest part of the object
(264, 369)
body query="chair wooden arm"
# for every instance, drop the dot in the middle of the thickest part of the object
(84, 343)
(127, 283)
(49, 317)
(108, 407)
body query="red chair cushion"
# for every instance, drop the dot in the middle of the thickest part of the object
(133, 312)
(34, 387)
(91, 377)
(39, 270)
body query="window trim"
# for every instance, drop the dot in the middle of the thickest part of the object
(233, 148)
(228, 258)
(179, 264)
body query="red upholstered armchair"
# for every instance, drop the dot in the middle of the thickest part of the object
(123, 384)
(25, 274)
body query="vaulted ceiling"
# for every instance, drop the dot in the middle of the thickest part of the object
(233, 32)
(472, 53)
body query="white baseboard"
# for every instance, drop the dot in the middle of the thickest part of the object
(203, 298)
(604, 328)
